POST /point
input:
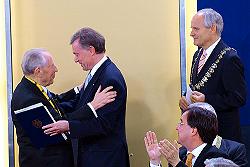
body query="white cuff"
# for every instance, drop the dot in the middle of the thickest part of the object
(76, 90)
(153, 165)
(93, 110)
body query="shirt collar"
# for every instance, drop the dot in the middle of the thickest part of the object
(95, 68)
(211, 48)
(196, 152)
(45, 89)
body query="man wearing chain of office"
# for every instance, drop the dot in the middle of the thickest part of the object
(217, 74)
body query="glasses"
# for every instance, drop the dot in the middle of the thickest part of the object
(180, 123)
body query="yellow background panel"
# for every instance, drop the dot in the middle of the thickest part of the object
(142, 38)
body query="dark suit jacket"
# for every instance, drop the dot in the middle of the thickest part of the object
(208, 152)
(26, 94)
(102, 140)
(222, 81)
(236, 152)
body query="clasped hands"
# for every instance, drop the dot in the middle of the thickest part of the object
(164, 147)
(195, 97)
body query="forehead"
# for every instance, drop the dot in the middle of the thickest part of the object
(184, 116)
(197, 19)
(48, 57)
(76, 44)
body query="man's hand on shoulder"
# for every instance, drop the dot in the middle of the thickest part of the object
(103, 97)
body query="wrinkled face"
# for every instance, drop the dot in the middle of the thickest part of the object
(200, 34)
(83, 56)
(46, 74)
(183, 129)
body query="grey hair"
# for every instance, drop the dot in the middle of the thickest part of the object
(211, 17)
(204, 106)
(219, 162)
(32, 59)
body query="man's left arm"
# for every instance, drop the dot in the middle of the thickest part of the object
(234, 84)
(239, 156)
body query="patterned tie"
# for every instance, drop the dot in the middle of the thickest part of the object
(202, 61)
(87, 80)
(189, 160)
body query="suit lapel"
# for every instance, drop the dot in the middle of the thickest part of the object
(214, 55)
(200, 159)
(87, 92)
(196, 64)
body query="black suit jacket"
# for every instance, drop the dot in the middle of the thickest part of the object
(222, 81)
(102, 140)
(26, 94)
(236, 152)
(208, 152)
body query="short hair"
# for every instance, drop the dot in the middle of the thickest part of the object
(219, 162)
(211, 17)
(89, 37)
(32, 59)
(203, 105)
(204, 121)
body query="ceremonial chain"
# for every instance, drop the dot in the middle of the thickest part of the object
(210, 71)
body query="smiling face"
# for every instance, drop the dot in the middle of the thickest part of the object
(46, 74)
(83, 56)
(203, 36)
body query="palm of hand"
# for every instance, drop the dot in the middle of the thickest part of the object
(153, 151)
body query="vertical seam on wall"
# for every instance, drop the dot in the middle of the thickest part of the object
(9, 81)
(182, 46)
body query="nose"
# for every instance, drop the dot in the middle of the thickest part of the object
(56, 69)
(191, 33)
(75, 59)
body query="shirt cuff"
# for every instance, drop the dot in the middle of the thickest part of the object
(153, 165)
(93, 110)
(76, 90)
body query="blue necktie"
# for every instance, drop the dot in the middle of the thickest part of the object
(87, 80)
(49, 94)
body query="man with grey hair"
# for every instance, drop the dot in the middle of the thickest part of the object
(217, 74)
(219, 162)
(39, 72)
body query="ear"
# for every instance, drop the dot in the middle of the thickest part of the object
(92, 50)
(37, 71)
(194, 131)
(214, 28)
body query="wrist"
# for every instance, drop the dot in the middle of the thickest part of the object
(156, 161)
(93, 105)
(176, 163)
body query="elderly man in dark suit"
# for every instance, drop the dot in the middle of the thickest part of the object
(102, 139)
(39, 72)
(217, 74)
(196, 132)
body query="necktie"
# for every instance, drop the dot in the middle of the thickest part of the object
(202, 60)
(189, 160)
(87, 80)
(49, 94)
